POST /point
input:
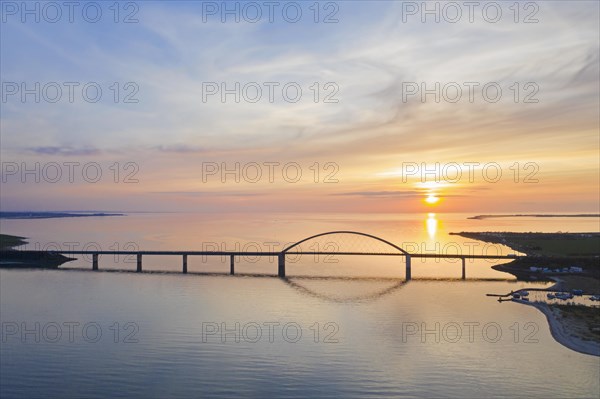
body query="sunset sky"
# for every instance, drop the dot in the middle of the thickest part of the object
(367, 142)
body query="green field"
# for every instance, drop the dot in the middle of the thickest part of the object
(545, 244)
(565, 246)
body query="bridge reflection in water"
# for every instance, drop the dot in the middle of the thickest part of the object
(348, 243)
(389, 285)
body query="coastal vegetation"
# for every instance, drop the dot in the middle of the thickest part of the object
(548, 254)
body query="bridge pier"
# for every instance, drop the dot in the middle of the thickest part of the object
(232, 265)
(139, 263)
(464, 269)
(281, 265)
(184, 263)
(94, 261)
(408, 268)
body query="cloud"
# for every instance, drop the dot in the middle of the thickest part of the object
(66, 151)
(384, 193)
(179, 149)
(209, 193)
(395, 194)
(369, 54)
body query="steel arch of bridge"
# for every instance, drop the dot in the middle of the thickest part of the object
(284, 251)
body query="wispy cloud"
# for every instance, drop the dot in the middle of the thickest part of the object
(209, 193)
(393, 194)
(66, 151)
(179, 149)
(408, 193)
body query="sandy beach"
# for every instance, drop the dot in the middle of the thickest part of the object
(564, 333)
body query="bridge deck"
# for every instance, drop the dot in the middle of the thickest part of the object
(280, 256)
(272, 254)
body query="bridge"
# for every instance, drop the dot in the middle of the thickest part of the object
(386, 248)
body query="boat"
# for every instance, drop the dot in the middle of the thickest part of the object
(564, 296)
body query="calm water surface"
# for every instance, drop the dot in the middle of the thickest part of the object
(325, 331)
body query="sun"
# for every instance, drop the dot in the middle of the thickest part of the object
(431, 199)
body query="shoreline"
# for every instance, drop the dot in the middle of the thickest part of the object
(567, 328)
(561, 334)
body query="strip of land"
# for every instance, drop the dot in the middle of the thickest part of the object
(538, 215)
(9, 242)
(53, 215)
(548, 254)
(12, 258)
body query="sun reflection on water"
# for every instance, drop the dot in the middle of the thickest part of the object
(432, 225)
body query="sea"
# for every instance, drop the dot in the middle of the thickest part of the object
(335, 326)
